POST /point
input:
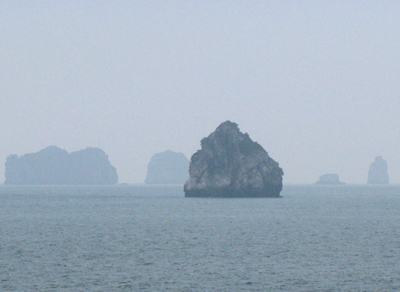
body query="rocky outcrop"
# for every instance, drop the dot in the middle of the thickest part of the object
(167, 167)
(329, 179)
(230, 164)
(55, 166)
(378, 172)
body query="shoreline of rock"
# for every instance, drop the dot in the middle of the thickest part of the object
(228, 193)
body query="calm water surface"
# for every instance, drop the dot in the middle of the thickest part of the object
(137, 238)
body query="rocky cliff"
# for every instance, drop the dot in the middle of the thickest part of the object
(55, 166)
(167, 167)
(230, 164)
(378, 172)
(329, 179)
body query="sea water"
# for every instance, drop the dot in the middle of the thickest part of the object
(140, 238)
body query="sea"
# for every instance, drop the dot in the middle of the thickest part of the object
(152, 238)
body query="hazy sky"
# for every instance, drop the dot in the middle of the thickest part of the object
(316, 83)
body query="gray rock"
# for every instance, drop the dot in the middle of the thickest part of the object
(168, 167)
(378, 172)
(230, 164)
(329, 179)
(55, 166)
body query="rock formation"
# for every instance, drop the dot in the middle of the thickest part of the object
(55, 166)
(168, 167)
(378, 172)
(230, 164)
(329, 179)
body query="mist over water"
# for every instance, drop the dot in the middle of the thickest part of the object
(132, 238)
(315, 83)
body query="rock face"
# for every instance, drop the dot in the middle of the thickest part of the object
(230, 164)
(378, 172)
(168, 167)
(55, 166)
(329, 179)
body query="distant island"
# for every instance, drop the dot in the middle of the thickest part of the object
(230, 164)
(329, 179)
(168, 167)
(378, 172)
(55, 166)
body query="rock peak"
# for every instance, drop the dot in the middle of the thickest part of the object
(227, 128)
(329, 179)
(55, 166)
(230, 164)
(227, 125)
(167, 167)
(378, 171)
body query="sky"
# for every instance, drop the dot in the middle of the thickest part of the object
(316, 83)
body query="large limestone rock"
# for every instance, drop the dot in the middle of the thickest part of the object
(55, 166)
(168, 167)
(329, 179)
(230, 164)
(378, 172)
